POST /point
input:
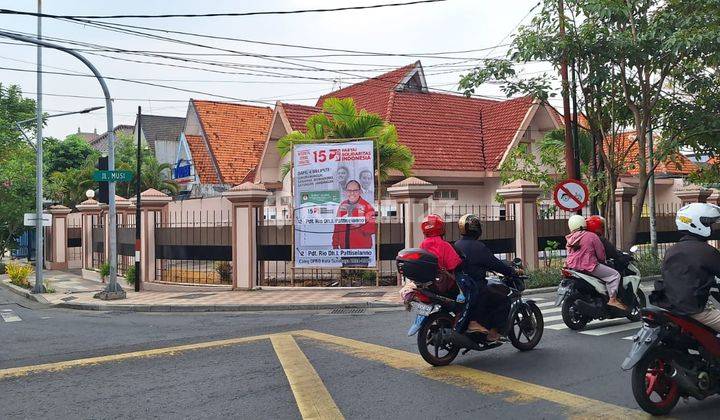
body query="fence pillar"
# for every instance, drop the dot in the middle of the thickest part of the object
(152, 204)
(88, 209)
(413, 193)
(624, 194)
(123, 206)
(524, 195)
(714, 198)
(693, 194)
(248, 201)
(57, 258)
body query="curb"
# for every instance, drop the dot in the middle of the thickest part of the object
(25, 293)
(223, 308)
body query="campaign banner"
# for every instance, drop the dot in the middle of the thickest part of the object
(334, 199)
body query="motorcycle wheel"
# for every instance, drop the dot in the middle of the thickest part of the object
(526, 326)
(653, 388)
(433, 348)
(571, 315)
(635, 314)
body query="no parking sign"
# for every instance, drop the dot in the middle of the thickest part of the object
(571, 195)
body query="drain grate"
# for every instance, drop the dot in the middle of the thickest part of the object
(364, 294)
(69, 298)
(347, 311)
(193, 296)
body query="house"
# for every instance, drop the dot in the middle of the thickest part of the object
(161, 134)
(458, 142)
(88, 137)
(220, 145)
(101, 142)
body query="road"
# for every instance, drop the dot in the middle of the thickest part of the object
(57, 363)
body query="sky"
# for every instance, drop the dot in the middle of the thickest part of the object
(453, 25)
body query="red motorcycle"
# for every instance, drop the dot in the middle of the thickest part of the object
(672, 356)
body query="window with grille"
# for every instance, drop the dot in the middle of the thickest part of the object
(445, 194)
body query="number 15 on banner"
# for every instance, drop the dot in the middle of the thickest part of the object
(325, 155)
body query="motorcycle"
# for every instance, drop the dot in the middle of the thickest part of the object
(436, 313)
(673, 356)
(584, 297)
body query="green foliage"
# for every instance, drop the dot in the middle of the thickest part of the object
(130, 275)
(14, 108)
(154, 174)
(224, 270)
(647, 263)
(17, 191)
(19, 274)
(69, 186)
(544, 277)
(549, 252)
(341, 120)
(104, 270)
(71, 153)
(48, 288)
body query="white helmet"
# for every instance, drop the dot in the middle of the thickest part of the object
(576, 222)
(697, 218)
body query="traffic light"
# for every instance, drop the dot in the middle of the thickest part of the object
(103, 187)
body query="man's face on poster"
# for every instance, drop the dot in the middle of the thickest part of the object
(353, 191)
(366, 180)
(341, 175)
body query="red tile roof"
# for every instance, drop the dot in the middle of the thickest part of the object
(236, 134)
(444, 131)
(201, 160)
(297, 115)
(625, 145)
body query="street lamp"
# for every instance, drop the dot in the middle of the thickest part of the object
(18, 124)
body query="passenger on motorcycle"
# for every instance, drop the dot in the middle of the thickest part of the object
(596, 225)
(433, 228)
(492, 309)
(585, 252)
(690, 267)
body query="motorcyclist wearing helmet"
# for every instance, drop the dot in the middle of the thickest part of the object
(492, 310)
(585, 252)
(433, 228)
(690, 266)
(596, 225)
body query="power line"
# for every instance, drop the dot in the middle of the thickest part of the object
(225, 14)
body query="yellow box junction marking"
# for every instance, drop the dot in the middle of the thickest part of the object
(311, 395)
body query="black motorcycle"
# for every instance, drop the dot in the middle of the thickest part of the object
(436, 312)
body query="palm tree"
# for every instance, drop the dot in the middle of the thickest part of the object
(157, 175)
(341, 120)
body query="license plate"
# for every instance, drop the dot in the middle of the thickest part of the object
(561, 294)
(419, 308)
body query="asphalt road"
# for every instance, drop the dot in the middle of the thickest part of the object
(293, 364)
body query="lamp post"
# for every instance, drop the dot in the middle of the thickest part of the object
(113, 289)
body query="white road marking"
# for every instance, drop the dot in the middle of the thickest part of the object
(550, 310)
(545, 304)
(629, 337)
(9, 316)
(612, 329)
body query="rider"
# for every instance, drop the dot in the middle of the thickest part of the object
(492, 308)
(585, 252)
(690, 266)
(596, 225)
(449, 261)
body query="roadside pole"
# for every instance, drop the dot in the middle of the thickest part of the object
(651, 195)
(39, 243)
(569, 154)
(137, 202)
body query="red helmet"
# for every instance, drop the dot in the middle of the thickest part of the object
(433, 225)
(596, 224)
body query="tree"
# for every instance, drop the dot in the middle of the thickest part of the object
(341, 120)
(154, 174)
(17, 191)
(69, 186)
(72, 152)
(14, 108)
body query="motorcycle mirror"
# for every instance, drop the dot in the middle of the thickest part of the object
(517, 261)
(634, 249)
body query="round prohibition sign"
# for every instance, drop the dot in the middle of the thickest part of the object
(571, 195)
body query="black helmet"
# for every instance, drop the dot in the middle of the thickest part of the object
(470, 225)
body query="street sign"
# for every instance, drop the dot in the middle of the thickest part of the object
(30, 218)
(112, 176)
(571, 195)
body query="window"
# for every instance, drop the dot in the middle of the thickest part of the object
(270, 201)
(445, 195)
(285, 201)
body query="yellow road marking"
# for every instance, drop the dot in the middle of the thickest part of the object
(480, 381)
(312, 398)
(58, 366)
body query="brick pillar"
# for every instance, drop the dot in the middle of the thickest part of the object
(152, 204)
(693, 194)
(248, 201)
(57, 257)
(624, 194)
(714, 198)
(413, 193)
(524, 195)
(88, 209)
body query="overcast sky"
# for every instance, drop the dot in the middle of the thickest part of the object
(454, 25)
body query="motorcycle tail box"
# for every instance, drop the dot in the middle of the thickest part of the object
(418, 265)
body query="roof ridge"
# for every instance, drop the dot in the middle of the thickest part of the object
(371, 79)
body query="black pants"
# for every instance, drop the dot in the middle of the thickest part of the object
(492, 310)
(470, 289)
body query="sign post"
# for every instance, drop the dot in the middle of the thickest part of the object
(112, 176)
(30, 219)
(571, 195)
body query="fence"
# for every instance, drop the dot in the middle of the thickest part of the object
(98, 240)
(74, 242)
(193, 247)
(275, 265)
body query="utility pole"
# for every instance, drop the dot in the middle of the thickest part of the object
(137, 201)
(39, 228)
(651, 195)
(569, 154)
(576, 135)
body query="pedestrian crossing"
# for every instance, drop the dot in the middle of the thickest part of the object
(552, 316)
(8, 315)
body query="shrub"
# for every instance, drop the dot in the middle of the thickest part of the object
(48, 288)
(19, 274)
(224, 270)
(544, 277)
(648, 264)
(104, 270)
(130, 275)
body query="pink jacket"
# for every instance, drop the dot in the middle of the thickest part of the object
(584, 251)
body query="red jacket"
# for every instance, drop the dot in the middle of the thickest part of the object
(355, 237)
